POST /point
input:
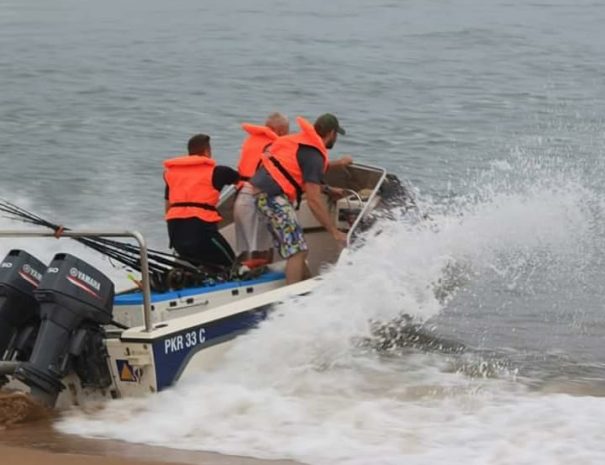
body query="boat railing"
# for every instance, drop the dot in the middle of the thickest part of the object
(368, 203)
(146, 289)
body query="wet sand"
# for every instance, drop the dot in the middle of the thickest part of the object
(18, 456)
(28, 438)
(38, 443)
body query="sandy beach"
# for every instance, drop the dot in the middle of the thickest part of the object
(38, 443)
(27, 438)
(20, 456)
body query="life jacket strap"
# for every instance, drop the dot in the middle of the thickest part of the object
(290, 178)
(205, 206)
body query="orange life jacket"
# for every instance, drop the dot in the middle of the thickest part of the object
(281, 162)
(190, 190)
(252, 148)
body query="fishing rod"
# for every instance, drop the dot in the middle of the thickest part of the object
(122, 252)
(112, 250)
(165, 270)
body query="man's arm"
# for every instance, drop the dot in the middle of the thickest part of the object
(223, 176)
(320, 212)
(166, 196)
(311, 163)
(342, 162)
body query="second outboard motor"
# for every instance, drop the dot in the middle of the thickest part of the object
(20, 275)
(75, 300)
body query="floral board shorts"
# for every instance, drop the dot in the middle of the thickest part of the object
(282, 223)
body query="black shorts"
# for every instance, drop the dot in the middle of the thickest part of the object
(199, 242)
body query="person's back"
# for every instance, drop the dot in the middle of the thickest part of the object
(252, 236)
(258, 139)
(193, 185)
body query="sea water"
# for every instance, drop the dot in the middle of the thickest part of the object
(472, 336)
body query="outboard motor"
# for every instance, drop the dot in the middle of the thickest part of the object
(75, 301)
(20, 275)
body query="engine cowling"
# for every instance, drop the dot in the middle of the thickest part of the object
(20, 276)
(75, 301)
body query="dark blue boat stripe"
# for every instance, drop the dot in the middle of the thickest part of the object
(196, 349)
(172, 352)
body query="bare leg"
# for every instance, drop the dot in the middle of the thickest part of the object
(307, 273)
(295, 267)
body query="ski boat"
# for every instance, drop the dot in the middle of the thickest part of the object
(66, 337)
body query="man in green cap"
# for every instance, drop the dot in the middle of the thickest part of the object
(293, 165)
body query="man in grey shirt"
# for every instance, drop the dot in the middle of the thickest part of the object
(312, 145)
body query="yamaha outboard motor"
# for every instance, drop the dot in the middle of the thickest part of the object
(75, 300)
(20, 275)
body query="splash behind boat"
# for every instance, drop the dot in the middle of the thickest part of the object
(66, 337)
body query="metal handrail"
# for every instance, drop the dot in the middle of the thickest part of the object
(363, 212)
(103, 233)
(353, 193)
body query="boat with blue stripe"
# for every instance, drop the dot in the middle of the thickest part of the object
(67, 337)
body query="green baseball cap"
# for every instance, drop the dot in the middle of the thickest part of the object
(327, 122)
